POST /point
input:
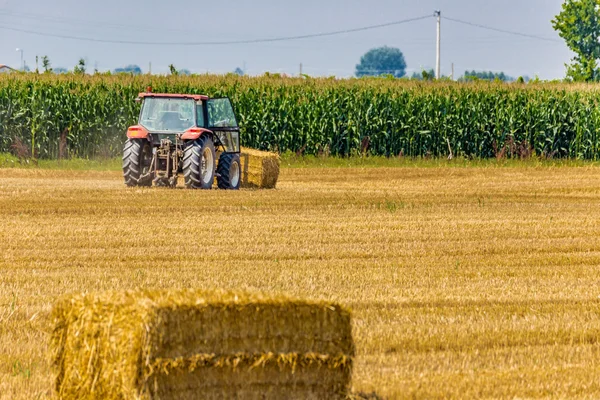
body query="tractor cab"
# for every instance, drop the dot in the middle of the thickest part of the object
(178, 133)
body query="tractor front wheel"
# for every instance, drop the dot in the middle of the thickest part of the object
(199, 163)
(229, 171)
(137, 161)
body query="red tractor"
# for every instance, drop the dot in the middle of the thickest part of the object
(180, 133)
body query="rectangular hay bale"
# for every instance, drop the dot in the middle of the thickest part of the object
(260, 169)
(198, 344)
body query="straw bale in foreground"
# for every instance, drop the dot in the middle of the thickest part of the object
(198, 344)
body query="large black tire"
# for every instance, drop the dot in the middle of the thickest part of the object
(137, 161)
(229, 171)
(199, 163)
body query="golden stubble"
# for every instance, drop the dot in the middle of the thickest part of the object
(463, 282)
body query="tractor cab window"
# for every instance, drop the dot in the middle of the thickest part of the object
(221, 120)
(199, 114)
(220, 114)
(168, 114)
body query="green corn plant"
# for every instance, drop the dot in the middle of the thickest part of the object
(313, 116)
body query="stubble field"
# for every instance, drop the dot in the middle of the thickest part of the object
(478, 281)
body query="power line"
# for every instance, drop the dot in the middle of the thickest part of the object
(100, 24)
(249, 41)
(489, 28)
(82, 22)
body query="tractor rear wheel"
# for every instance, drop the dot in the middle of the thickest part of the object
(137, 161)
(199, 163)
(229, 171)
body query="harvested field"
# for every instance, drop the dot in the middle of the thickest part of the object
(463, 282)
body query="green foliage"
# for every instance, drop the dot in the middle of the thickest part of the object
(536, 80)
(471, 76)
(130, 69)
(424, 75)
(46, 64)
(579, 25)
(80, 67)
(382, 61)
(8, 160)
(173, 70)
(90, 114)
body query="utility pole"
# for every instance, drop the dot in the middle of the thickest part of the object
(22, 62)
(300, 70)
(452, 71)
(150, 68)
(438, 73)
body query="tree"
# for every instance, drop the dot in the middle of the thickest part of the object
(579, 25)
(130, 69)
(470, 76)
(173, 70)
(46, 64)
(239, 71)
(382, 61)
(423, 75)
(80, 67)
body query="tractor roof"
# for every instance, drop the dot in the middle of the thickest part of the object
(196, 97)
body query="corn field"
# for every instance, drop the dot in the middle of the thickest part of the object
(51, 116)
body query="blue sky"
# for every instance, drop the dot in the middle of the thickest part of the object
(468, 47)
